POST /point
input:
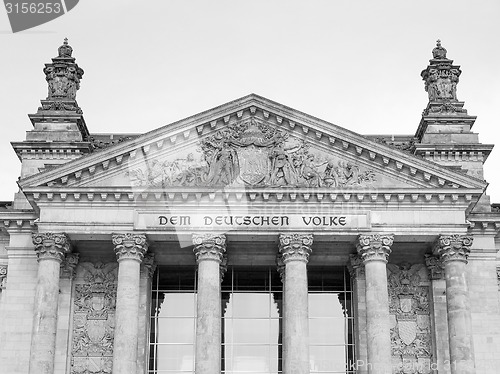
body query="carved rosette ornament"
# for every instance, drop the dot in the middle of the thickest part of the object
(209, 246)
(374, 247)
(295, 247)
(51, 246)
(453, 247)
(130, 246)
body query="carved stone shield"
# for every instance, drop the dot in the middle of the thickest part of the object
(405, 303)
(254, 164)
(407, 327)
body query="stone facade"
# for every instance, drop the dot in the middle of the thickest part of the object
(250, 184)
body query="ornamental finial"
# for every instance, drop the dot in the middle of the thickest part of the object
(65, 50)
(439, 52)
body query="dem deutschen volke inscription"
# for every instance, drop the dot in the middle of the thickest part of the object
(149, 220)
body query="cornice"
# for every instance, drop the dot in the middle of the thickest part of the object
(19, 221)
(484, 223)
(318, 132)
(433, 197)
(51, 150)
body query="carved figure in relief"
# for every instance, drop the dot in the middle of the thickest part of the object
(223, 167)
(309, 171)
(283, 172)
(253, 154)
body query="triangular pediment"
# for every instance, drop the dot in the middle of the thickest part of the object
(251, 143)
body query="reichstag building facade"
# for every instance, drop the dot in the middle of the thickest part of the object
(250, 238)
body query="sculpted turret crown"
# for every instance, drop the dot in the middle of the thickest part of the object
(63, 77)
(65, 50)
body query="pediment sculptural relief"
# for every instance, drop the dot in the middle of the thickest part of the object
(254, 154)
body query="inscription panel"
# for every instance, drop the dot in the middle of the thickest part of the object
(157, 220)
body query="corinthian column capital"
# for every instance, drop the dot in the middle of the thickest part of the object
(51, 246)
(130, 246)
(295, 247)
(209, 246)
(453, 247)
(374, 247)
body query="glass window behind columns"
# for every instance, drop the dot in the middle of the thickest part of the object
(331, 343)
(251, 323)
(173, 321)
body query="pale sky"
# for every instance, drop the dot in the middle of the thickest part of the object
(353, 63)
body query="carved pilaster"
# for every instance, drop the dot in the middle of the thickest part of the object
(280, 266)
(148, 265)
(223, 267)
(435, 267)
(453, 247)
(355, 266)
(295, 247)
(209, 247)
(498, 276)
(68, 266)
(3, 276)
(52, 246)
(130, 246)
(374, 247)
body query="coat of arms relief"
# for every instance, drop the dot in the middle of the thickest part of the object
(255, 154)
(410, 318)
(93, 318)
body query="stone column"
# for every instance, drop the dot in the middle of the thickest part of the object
(374, 251)
(209, 251)
(439, 320)
(357, 272)
(51, 249)
(148, 268)
(454, 250)
(295, 250)
(130, 249)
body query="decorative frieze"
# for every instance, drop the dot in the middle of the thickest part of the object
(93, 318)
(255, 154)
(410, 318)
(50, 245)
(3, 276)
(68, 265)
(209, 246)
(375, 247)
(130, 246)
(453, 247)
(435, 266)
(294, 247)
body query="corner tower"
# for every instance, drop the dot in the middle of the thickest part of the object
(444, 133)
(59, 131)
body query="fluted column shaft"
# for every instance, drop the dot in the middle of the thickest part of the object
(295, 250)
(374, 251)
(454, 250)
(209, 251)
(50, 249)
(130, 250)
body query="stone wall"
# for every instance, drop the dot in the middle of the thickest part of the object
(16, 308)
